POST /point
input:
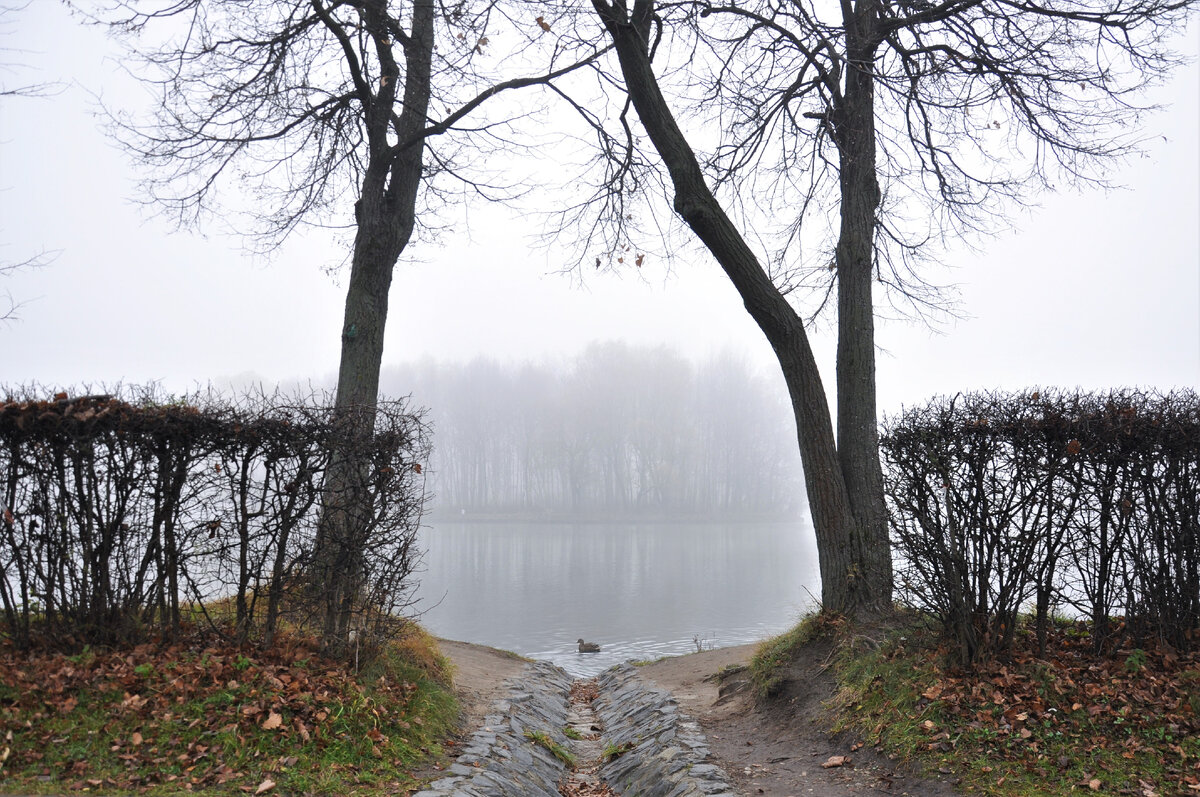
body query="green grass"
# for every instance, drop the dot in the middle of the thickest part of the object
(557, 750)
(1021, 728)
(769, 661)
(218, 721)
(612, 750)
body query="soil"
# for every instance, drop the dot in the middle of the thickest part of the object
(479, 676)
(775, 749)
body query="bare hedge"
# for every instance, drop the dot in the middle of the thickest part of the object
(1049, 501)
(121, 516)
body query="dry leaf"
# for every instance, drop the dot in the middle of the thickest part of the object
(836, 761)
(543, 24)
(265, 786)
(272, 722)
(136, 739)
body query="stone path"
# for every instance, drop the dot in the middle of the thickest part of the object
(631, 737)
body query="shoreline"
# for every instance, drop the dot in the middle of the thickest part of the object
(632, 519)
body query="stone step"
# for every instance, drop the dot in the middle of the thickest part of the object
(645, 747)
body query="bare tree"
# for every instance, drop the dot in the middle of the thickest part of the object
(8, 13)
(8, 305)
(300, 104)
(866, 106)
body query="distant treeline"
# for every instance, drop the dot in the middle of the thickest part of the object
(618, 430)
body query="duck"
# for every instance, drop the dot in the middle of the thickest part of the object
(588, 647)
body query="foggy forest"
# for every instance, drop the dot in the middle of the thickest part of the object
(618, 430)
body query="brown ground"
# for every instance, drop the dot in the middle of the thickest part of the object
(775, 750)
(479, 676)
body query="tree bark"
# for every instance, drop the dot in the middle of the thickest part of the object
(833, 518)
(857, 419)
(385, 214)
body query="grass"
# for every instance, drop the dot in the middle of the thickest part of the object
(772, 657)
(209, 718)
(1070, 723)
(543, 739)
(613, 750)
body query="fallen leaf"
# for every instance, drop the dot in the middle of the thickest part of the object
(836, 761)
(265, 786)
(136, 739)
(272, 722)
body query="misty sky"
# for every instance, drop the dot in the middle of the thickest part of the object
(1091, 290)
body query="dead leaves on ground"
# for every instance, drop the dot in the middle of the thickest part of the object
(584, 691)
(192, 714)
(584, 788)
(1134, 704)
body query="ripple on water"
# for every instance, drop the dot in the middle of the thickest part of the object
(586, 665)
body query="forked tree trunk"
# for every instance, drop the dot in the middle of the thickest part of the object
(385, 215)
(847, 583)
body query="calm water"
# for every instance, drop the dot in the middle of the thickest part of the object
(641, 591)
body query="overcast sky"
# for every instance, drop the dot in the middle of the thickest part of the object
(1091, 290)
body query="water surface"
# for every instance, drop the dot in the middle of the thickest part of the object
(641, 591)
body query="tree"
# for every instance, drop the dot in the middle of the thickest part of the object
(13, 306)
(300, 103)
(8, 268)
(876, 103)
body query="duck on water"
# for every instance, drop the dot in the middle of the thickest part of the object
(588, 647)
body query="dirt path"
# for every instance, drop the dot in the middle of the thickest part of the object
(776, 752)
(479, 676)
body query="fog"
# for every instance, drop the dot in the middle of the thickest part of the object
(615, 431)
(1087, 289)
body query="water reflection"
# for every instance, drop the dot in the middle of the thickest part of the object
(641, 591)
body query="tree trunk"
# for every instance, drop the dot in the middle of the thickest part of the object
(833, 519)
(385, 214)
(857, 419)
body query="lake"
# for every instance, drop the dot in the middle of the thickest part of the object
(640, 590)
